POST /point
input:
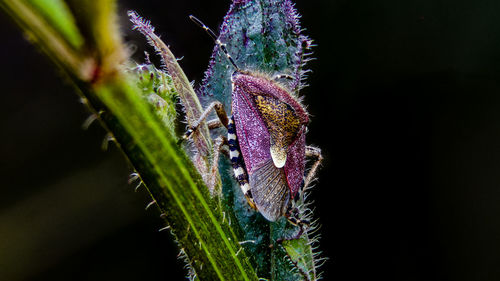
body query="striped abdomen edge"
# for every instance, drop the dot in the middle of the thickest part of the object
(237, 162)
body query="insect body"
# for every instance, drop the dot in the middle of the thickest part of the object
(266, 137)
(270, 127)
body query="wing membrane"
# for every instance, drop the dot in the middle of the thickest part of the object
(270, 190)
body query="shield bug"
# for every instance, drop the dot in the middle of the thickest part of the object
(266, 139)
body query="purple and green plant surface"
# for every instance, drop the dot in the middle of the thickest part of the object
(218, 236)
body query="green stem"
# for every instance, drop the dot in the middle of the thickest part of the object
(195, 219)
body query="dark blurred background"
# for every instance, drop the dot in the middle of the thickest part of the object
(405, 104)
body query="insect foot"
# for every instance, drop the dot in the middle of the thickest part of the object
(221, 121)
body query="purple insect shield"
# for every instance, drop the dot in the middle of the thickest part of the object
(270, 128)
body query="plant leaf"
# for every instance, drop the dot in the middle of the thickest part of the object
(207, 240)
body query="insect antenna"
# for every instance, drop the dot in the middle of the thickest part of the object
(221, 45)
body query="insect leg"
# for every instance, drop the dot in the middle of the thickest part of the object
(214, 124)
(292, 215)
(316, 153)
(282, 76)
(219, 143)
(221, 113)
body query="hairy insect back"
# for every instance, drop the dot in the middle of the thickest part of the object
(263, 37)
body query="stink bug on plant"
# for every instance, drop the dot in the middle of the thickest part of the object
(266, 139)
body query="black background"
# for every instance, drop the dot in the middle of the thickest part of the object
(405, 104)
